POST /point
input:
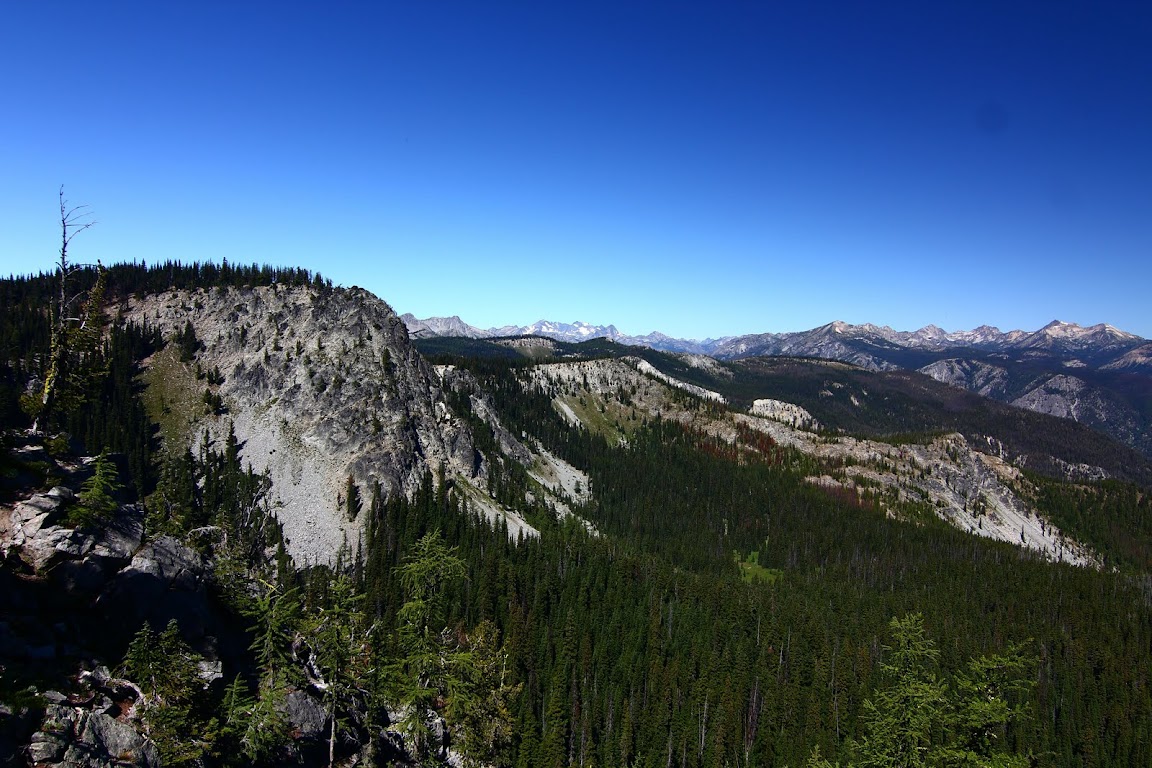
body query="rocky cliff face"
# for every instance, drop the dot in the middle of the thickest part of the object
(1057, 394)
(946, 477)
(972, 375)
(319, 385)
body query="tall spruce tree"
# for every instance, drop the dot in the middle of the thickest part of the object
(426, 672)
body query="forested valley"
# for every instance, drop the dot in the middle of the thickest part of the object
(700, 603)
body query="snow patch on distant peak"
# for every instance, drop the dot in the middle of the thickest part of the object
(1060, 328)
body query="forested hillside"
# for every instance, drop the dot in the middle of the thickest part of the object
(713, 594)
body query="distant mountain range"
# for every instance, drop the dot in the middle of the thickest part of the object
(869, 346)
(1098, 375)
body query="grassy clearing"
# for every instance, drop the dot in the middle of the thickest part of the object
(606, 417)
(752, 571)
(173, 396)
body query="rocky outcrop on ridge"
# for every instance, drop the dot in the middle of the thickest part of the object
(104, 581)
(319, 385)
(973, 490)
(787, 413)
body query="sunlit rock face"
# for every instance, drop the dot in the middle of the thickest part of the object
(973, 375)
(319, 384)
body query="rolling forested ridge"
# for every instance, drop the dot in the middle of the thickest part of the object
(704, 594)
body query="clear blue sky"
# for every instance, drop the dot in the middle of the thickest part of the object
(702, 169)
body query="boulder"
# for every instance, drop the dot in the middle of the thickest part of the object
(25, 534)
(165, 580)
(70, 736)
(119, 741)
(34, 535)
(305, 714)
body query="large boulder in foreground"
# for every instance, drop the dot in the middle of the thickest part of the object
(74, 736)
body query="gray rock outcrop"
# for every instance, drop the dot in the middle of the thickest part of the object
(320, 385)
(165, 580)
(79, 559)
(77, 737)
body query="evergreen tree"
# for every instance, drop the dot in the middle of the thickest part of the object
(74, 335)
(426, 671)
(899, 720)
(97, 494)
(918, 719)
(987, 697)
(236, 712)
(352, 498)
(173, 508)
(173, 710)
(482, 712)
(276, 614)
(340, 637)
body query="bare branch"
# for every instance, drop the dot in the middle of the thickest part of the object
(72, 222)
(70, 225)
(78, 231)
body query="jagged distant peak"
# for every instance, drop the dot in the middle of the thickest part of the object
(577, 327)
(987, 330)
(441, 326)
(932, 331)
(1059, 327)
(838, 332)
(1059, 332)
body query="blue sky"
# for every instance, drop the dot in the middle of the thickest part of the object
(702, 169)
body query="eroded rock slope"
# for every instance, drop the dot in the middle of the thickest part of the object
(319, 385)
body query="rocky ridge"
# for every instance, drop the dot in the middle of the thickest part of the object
(831, 340)
(1051, 370)
(322, 385)
(972, 490)
(319, 386)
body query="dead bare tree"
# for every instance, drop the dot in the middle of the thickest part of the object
(69, 326)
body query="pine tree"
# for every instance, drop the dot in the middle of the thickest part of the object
(236, 712)
(74, 337)
(97, 494)
(340, 636)
(482, 711)
(899, 720)
(426, 670)
(166, 670)
(918, 719)
(276, 613)
(173, 508)
(352, 498)
(988, 696)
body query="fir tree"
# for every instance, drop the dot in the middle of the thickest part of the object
(166, 670)
(97, 494)
(426, 670)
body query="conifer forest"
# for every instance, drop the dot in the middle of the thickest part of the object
(701, 600)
